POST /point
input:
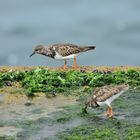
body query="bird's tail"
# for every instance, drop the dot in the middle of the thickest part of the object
(87, 48)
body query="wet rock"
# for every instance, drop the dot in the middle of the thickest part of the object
(95, 71)
(82, 71)
(109, 72)
(1, 97)
(9, 131)
(29, 104)
(7, 83)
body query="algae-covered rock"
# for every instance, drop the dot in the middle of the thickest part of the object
(58, 81)
(60, 117)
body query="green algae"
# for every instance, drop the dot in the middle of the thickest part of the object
(69, 124)
(133, 133)
(7, 138)
(73, 123)
(90, 132)
(47, 81)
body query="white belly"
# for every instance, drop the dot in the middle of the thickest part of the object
(60, 57)
(111, 99)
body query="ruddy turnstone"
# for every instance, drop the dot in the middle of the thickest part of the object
(106, 95)
(62, 52)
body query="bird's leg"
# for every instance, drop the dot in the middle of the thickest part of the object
(107, 112)
(65, 65)
(111, 113)
(75, 64)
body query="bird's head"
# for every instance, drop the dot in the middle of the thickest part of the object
(91, 102)
(38, 50)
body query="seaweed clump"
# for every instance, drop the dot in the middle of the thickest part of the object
(47, 81)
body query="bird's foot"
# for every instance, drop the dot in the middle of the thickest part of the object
(110, 113)
(74, 67)
(64, 67)
(107, 112)
(74, 64)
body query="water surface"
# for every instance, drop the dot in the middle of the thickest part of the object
(113, 26)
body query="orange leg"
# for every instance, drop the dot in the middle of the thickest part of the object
(65, 65)
(111, 113)
(107, 112)
(75, 64)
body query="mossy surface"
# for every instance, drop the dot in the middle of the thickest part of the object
(70, 123)
(47, 81)
(41, 118)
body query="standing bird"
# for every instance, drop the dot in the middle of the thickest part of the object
(104, 96)
(62, 52)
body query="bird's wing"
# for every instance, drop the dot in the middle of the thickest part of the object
(67, 49)
(104, 93)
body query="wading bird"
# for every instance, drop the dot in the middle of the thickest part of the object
(62, 52)
(104, 96)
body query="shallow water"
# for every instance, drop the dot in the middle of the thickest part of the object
(113, 26)
(43, 118)
(19, 107)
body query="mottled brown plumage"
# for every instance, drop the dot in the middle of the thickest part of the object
(62, 51)
(106, 95)
(68, 49)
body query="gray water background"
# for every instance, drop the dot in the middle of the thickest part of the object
(112, 26)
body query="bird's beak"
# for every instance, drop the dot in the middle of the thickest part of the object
(32, 54)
